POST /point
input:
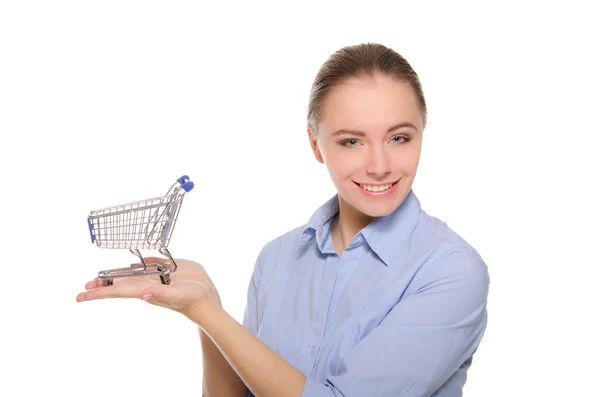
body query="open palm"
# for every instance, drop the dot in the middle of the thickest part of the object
(190, 285)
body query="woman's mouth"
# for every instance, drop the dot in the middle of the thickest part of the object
(378, 190)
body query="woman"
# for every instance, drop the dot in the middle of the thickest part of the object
(372, 296)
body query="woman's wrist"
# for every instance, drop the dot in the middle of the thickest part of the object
(203, 310)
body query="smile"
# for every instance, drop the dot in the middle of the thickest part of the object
(378, 189)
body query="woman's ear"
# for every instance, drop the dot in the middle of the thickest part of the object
(313, 144)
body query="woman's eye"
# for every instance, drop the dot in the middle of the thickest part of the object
(350, 142)
(398, 139)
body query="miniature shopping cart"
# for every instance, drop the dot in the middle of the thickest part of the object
(146, 224)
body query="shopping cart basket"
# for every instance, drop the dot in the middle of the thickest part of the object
(146, 224)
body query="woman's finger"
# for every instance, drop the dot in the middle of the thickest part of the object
(123, 290)
(98, 283)
(95, 283)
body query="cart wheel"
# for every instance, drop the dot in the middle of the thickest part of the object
(165, 279)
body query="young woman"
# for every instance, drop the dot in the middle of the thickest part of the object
(372, 296)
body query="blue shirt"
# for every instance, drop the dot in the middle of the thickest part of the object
(399, 313)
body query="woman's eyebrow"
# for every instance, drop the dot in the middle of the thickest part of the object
(401, 125)
(362, 134)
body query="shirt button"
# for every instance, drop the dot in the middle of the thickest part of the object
(312, 350)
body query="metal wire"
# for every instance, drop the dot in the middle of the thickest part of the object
(145, 224)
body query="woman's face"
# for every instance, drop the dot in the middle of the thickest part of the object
(370, 138)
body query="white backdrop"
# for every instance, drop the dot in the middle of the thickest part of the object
(108, 102)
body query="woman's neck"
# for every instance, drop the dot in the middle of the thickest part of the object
(346, 225)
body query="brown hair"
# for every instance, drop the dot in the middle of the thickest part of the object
(362, 60)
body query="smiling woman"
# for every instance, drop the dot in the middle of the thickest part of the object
(372, 296)
(370, 131)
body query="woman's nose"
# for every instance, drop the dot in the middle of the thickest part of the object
(378, 162)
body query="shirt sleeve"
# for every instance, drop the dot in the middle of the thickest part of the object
(423, 340)
(250, 321)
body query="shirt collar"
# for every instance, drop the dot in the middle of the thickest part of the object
(383, 235)
(319, 225)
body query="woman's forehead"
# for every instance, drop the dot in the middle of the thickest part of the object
(369, 104)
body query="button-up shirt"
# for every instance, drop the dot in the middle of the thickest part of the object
(399, 313)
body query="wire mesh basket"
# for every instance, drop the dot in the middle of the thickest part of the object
(145, 224)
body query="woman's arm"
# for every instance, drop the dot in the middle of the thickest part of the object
(413, 351)
(264, 372)
(218, 378)
(242, 355)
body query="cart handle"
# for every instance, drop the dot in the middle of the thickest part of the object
(91, 226)
(185, 183)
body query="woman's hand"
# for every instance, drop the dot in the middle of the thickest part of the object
(190, 286)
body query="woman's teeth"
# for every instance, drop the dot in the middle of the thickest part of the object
(376, 188)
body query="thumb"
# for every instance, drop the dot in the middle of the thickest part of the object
(155, 292)
(163, 295)
(178, 296)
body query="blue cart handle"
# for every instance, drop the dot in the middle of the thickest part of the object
(91, 227)
(185, 183)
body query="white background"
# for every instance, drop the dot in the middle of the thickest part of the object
(108, 102)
